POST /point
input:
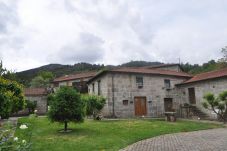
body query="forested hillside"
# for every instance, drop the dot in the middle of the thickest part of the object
(25, 77)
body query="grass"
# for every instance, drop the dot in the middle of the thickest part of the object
(100, 135)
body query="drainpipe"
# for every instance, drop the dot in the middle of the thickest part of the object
(113, 110)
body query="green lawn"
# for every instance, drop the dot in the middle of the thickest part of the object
(100, 135)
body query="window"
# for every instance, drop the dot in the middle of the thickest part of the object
(99, 87)
(139, 82)
(167, 83)
(93, 87)
(125, 102)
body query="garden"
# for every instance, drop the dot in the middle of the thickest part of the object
(74, 122)
(99, 135)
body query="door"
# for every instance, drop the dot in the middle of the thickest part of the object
(191, 95)
(140, 106)
(168, 104)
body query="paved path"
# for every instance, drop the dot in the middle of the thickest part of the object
(205, 140)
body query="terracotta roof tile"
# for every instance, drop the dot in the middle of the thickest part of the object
(141, 70)
(76, 76)
(35, 91)
(162, 65)
(152, 71)
(208, 75)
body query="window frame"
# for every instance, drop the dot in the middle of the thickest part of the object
(93, 87)
(139, 81)
(99, 87)
(167, 84)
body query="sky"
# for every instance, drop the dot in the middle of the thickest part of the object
(38, 32)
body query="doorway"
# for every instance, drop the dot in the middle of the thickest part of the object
(140, 106)
(168, 104)
(191, 95)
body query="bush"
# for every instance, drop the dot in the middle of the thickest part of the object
(11, 97)
(217, 104)
(94, 104)
(66, 105)
(31, 105)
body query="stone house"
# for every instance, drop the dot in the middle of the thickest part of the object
(143, 91)
(77, 80)
(38, 95)
(151, 91)
(193, 90)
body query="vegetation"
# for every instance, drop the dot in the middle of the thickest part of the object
(9, 75)
(25, 77)
(209, 66)
(31, 105)
(217, 104)
(94, 105)
(11, 96)
(140, 64)
(102, 135)
(10, 143)
(57, 69)
(42, 80)
(66, 105)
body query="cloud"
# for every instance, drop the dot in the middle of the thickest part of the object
(8, 15)
(86, 48)
(34, 33)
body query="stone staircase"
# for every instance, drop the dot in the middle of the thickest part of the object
(197, 112)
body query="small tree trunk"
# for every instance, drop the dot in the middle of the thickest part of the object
(65, 126)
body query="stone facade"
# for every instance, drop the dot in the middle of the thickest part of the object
(117, 87)
(79, 84)
(215, 86)
(38, 95)
(41, 103)
(77, 81)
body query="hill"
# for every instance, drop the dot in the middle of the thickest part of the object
(25, 77)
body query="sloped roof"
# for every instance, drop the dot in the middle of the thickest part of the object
(35, 91)
(163, 65)
(207, 76)
(76, 76)
(141, 70)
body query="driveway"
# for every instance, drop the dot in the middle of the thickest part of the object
(205, 140)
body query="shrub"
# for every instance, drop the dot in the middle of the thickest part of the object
(66, 105)
(94, 104)
(217, 104)
(31, 105)
(11, 96)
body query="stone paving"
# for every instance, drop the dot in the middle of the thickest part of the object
(205, 140)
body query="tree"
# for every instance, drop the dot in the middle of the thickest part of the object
(11, 97)
(217, 104)
(2, 70)
(66, 105)
(224, 52)
(94, 104)
(43, 79)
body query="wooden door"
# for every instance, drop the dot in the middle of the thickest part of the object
(168, 104)
(191, 95)
(140, 106)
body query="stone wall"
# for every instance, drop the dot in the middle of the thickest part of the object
(125, 88)
(41, 103)
(215, 86)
